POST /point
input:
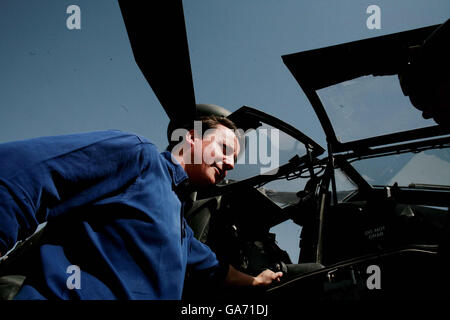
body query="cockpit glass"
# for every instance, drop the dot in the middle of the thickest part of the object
(370, 106)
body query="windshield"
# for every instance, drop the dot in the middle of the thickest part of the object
(427, 167)
(266, 149)
(370, 106)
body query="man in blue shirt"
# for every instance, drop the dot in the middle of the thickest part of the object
(115, 223)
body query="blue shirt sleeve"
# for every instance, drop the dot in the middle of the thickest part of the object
(203, 261)
(43, 177)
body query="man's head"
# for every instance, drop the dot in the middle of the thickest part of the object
(208, 150)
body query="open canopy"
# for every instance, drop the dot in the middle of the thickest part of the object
(355, 91)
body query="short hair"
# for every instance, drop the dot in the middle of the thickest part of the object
(208, 122)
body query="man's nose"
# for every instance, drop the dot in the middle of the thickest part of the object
(228, 162)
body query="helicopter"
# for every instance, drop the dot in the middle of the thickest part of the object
(372, 240)
(378, 240)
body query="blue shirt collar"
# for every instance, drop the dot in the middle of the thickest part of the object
(176, 170)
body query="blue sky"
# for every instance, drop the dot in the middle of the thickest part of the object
(56, 81)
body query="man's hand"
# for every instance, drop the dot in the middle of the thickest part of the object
(236, 278)
(267, 277)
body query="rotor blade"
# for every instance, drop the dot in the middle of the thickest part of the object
(157, 34)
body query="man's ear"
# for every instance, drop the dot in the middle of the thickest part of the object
(190, 137)
(195, 145)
